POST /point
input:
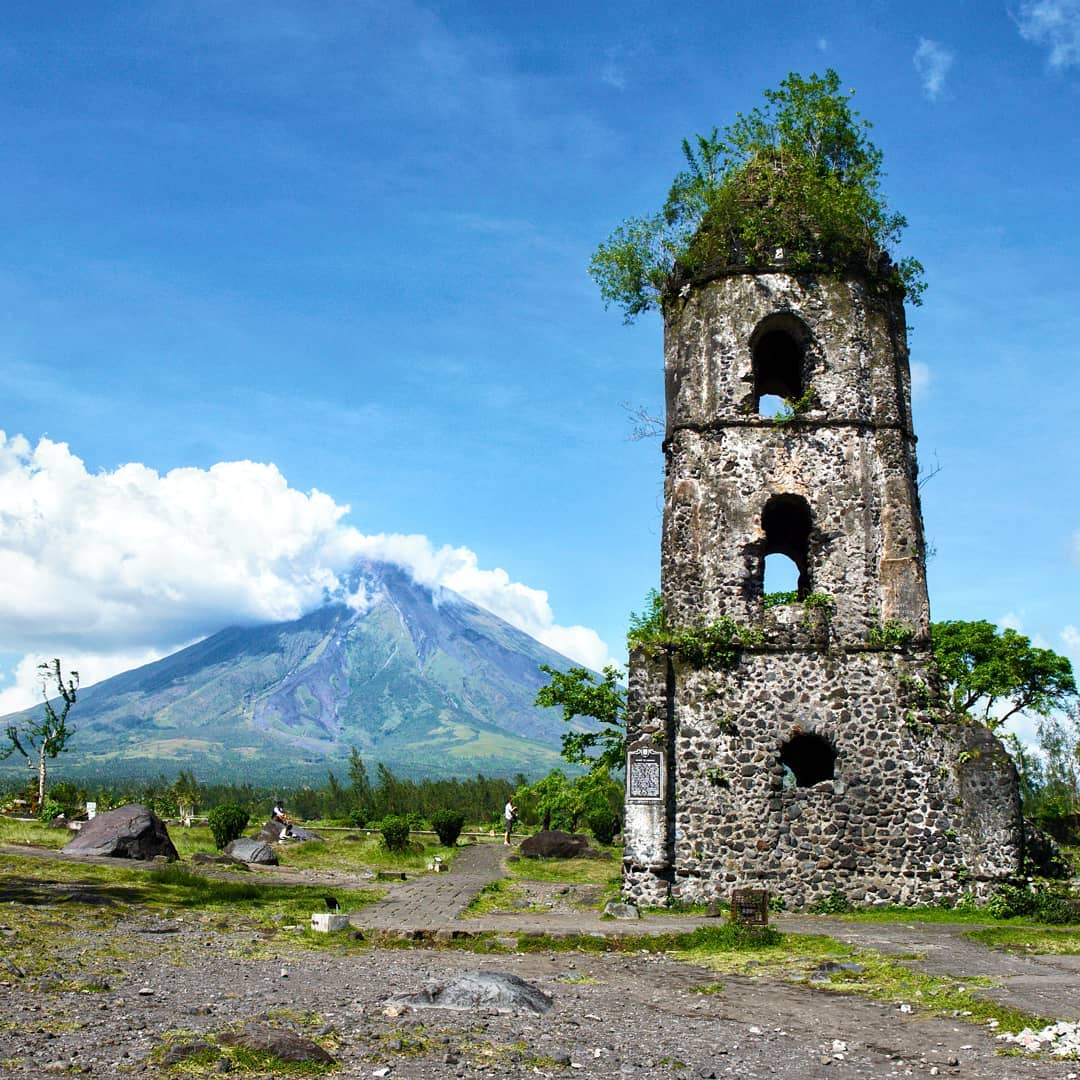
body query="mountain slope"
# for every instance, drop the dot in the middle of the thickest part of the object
(425, 682)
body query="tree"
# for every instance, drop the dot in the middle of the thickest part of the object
(798, 174)
(579, 693)
(994, 675)
(45, 739)
(358, 780)
(186, 791)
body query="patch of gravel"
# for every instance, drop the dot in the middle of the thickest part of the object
(614, 1015)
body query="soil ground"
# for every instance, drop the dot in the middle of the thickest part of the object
(614, 1014)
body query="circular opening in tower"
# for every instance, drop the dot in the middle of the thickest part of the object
(809, 758)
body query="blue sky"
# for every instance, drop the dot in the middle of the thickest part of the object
(345, 244)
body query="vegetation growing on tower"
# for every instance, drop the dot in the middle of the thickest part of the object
(797, 179)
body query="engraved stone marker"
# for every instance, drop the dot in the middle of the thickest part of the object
(750, 907)
(644, 773)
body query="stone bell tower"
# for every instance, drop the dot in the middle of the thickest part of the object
(810, 754)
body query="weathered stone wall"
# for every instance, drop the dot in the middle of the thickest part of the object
(913, 805)
(913, 813)
(852, 457)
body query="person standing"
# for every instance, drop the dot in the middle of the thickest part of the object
(509, 813)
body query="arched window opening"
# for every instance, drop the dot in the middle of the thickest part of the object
(786, 522)
(781, 578)
(809, 758)
(778, 370)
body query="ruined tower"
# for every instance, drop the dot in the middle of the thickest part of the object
(798, 745)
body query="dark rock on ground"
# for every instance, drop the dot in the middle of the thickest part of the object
(553, 844)
(283, 1044)
(252, 851)
(480, 990)
(129, 832)
(183, 1051)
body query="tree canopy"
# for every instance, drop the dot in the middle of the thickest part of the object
(580, 693)
(993, 674)
(798, 174)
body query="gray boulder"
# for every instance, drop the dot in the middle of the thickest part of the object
(129, 832)
(616, 910)
(553, 844)
(480, 990)
(252, 851)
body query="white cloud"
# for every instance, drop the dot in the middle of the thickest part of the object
(1011, 621)
(113, 569)
(823, 44)
(920, 379)
(1054, 24)
(932, 62)
(1070, 636)
(520, 605)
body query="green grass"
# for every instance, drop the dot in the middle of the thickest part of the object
(1033, 940)
(168, 887)
(795, 957)
(499, 895)
(357, 850)
(963, 916)
(34, 833)
(886, 979)
(568, 871)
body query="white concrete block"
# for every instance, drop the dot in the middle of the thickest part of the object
(325, 922)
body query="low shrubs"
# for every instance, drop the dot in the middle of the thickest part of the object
(448, 825)
(603, 824)
(834, 903)
(395, 832)
(227, 822)
(1039, 903)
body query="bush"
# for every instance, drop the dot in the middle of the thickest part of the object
(1040, 904)
(448, 825)
(227, 822)
(835, 903)
(603, 824)
(358, 818)
(395, 831)
(49, 810)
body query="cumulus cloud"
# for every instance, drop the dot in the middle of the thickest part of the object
(932, 62)
(1070, 636)
(116, 568)
(1055, 25)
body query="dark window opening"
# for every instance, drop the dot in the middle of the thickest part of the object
(786, 521)
(778, 369)
(809, 758)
